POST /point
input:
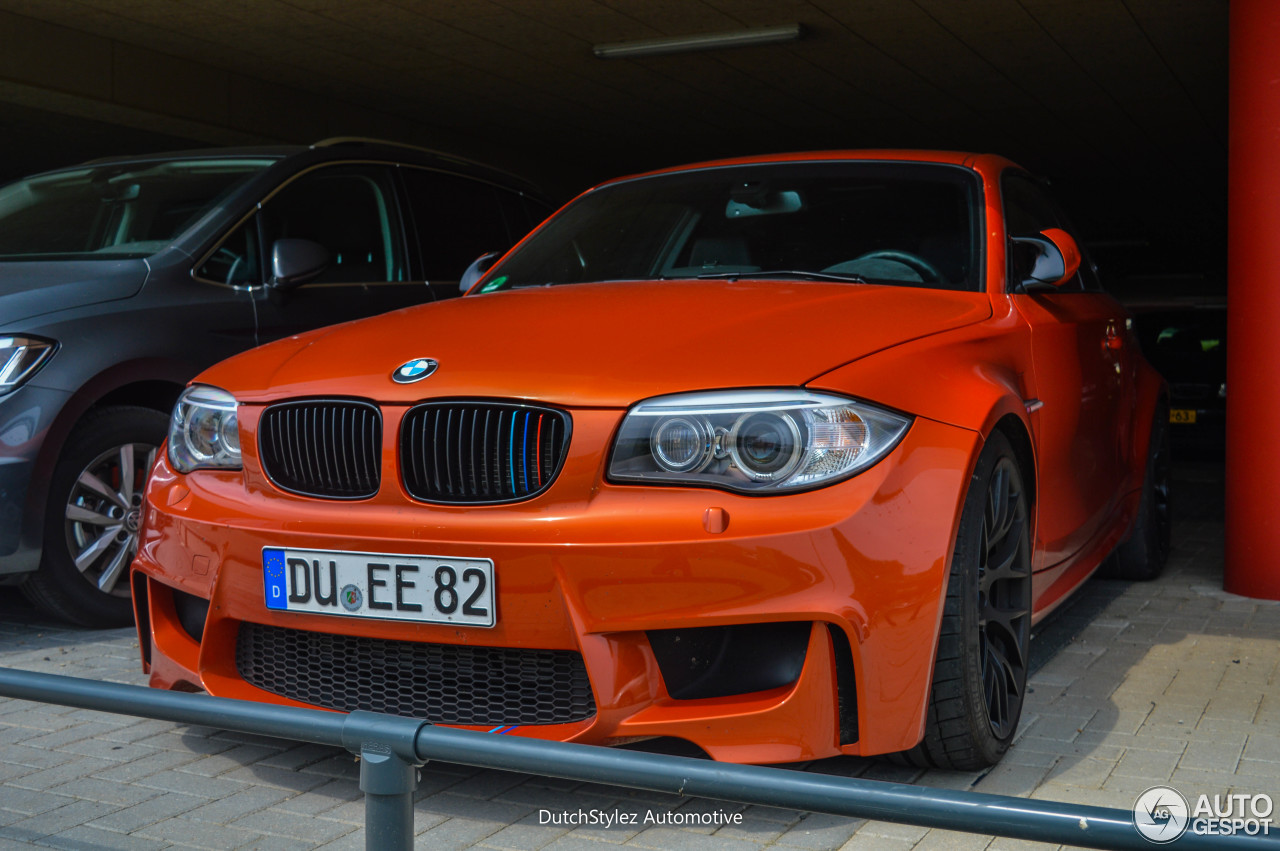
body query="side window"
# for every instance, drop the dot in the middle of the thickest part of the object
(238, 260)
(1027, 212)
(350, 210)
(456, 220)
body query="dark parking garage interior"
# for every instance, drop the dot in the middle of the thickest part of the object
(1120, 103)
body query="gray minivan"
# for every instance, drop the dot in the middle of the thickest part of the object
(121, 279)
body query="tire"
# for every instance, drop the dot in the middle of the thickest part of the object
(1144, 554)
(980, 673)
(92, 517)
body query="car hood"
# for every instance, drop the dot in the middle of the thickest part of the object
(602, 345)
(34, 287)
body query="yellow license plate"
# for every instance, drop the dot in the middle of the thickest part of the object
(1182, 415)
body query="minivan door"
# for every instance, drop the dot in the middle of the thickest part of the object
(353, 212)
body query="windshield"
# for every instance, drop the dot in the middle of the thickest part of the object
(894, 223)
(120, 210)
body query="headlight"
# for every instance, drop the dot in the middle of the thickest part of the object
(752, 440)
(20, 357)
(204, 432)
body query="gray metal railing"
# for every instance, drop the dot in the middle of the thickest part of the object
(392, 747)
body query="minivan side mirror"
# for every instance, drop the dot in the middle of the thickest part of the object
(477, 269)
(1048, 260)
(296, 261)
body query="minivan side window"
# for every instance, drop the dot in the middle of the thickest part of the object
(456, 220)
(521, 213)
(538, 211)
(238, 260)
(513, 213)
(349, 209)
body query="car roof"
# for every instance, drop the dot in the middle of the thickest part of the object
(341, 147)
(958, 158)
(245, 152)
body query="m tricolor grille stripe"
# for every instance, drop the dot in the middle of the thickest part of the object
(477, 452)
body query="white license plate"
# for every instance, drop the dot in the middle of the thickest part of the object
(422, 589)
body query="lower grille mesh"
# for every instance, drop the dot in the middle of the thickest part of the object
(441, 683)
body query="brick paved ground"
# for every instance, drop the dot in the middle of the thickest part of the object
(1173, 681)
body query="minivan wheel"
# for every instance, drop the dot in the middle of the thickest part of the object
(92, 518)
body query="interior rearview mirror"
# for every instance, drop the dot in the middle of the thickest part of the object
(477, 269)
(296, 261)
(1048, 260)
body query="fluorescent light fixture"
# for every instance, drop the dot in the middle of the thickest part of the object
(705, 41)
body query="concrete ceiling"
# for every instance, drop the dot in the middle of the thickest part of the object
(1123, 102)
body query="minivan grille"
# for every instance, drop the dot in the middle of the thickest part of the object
(442, 683)
(475, 452)
(324, 448)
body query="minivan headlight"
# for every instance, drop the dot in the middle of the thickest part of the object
(204, 432)
(20, 357)
(754, 441)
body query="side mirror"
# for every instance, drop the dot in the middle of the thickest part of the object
(477, 269)
(1048, 260)
(296, 261)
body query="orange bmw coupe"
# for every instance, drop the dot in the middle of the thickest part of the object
(781, 456)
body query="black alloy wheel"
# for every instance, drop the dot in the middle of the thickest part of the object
(980, 673)
(1004, 611)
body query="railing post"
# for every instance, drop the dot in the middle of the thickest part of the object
(388, 776)
(388, 783)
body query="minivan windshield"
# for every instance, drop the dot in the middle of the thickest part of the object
(905, 224)
(114, 210)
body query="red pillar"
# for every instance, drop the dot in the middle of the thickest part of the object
(1253, 303)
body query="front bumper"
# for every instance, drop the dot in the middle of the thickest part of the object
(595, 569)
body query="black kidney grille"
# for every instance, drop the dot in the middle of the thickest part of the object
(480, 452)
(329, 449)
(442, 683)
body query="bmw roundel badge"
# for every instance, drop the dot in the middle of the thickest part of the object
(414, 370)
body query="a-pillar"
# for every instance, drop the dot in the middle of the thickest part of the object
(1253, 303)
